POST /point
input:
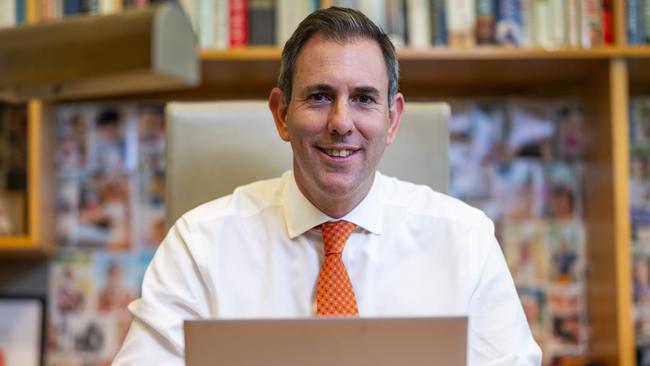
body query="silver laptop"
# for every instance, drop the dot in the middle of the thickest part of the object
(327, 342)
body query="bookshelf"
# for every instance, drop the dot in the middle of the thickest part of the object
(603, 78)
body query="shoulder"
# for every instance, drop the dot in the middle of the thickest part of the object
(245, 201)
(421, 200)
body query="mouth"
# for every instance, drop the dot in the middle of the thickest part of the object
(337, 153)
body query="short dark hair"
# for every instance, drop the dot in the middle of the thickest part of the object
(340, 25)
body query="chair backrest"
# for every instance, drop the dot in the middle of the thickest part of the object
(214, 147)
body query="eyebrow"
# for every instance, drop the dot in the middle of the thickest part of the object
(321, 87)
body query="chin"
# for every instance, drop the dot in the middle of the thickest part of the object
(339, 186)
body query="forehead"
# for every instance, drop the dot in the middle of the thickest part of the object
(358, 61)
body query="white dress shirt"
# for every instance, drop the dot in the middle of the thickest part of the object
(255, 254)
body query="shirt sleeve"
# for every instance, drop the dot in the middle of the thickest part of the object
(499, 334)
(173, 290)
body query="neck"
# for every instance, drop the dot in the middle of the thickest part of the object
(333, 205)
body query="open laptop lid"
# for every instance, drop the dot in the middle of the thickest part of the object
(326, 342)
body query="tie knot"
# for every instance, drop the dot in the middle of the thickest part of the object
(335, 234)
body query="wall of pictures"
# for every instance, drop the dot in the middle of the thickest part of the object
(521, 162)
(110, 218)
(518, 160)
(639, 186)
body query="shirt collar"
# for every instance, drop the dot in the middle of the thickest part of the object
(301, 215)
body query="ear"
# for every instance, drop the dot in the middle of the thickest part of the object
(278, 108)
(395, 117)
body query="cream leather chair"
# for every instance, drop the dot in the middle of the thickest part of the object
(214, 147)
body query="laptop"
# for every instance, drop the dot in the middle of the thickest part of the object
(327, 341)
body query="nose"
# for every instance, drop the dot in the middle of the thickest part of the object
(340, 120)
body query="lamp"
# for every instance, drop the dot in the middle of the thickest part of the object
(78, 57)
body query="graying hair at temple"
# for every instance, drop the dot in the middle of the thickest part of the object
(340, 25)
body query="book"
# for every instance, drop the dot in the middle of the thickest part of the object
(608, 22)
(526, 8)
(509, 23)
(375, 10)
(645, 21)
(7, 13)
(110, 6)
(485, 21)
(418, 22)
(542, 18)
(461, 23)
(557, 23)
(396, 21)
(261, 25)
(238, 23)
(289, 13)
(21, 16)
(221, 24)
(206, 17)
(592, 23)
(574, 24)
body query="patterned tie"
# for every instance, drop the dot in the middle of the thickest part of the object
(334, 292)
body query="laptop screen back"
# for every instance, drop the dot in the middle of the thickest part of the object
(326, 342)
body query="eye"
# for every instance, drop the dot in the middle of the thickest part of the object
(317, 98)
(365, 99)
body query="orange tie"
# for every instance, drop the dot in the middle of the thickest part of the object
(334, 292)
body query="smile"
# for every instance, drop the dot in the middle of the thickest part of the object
(337, 153)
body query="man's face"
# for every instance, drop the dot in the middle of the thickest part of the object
(338, 120)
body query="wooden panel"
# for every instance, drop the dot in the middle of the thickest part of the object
(251, 73)
(607, 216)
(620, 21)
(40, 192)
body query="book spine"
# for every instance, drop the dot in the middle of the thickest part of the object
(508, 29)
(238, 23)
(205, 23)
(222, 24)
(396, 21)
(288, 14)
(557, 23)
(90, 7)
(20, 12)
(7, 13)
(109, 6)
(527, 22)
(573, 26)
(632, 26)
(608, 22)
(645, 21)
(72, 7)
(375, 10)
(261, 24)
(542, 33)
(419, 26)
(592, 27)
(485, 21)
(461, 20)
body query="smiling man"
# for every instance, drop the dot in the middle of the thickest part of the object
(332, 236)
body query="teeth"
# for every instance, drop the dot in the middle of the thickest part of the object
(338, 153)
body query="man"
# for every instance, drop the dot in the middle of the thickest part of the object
(395, 249)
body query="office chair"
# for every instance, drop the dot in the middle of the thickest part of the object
(214, 147)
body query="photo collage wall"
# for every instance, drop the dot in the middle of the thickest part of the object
(639, 188)
(110, 164)
(521, 162)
